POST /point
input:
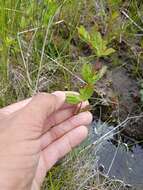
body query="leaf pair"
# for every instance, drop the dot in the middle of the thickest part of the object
(90, 77)
(84, 94)
(96, 41)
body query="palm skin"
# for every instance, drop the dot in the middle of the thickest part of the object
(34, 135)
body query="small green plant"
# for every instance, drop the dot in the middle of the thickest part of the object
(90, 77)
(96, 42)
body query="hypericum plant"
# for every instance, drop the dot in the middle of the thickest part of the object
(96, 42)
(90, 77)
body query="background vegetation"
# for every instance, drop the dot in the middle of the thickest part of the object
(44, 43)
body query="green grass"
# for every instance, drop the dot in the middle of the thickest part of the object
(29, 30)
(40, 48)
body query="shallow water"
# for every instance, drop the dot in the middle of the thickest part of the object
(118, 162)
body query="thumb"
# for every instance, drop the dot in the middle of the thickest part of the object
(43, 105)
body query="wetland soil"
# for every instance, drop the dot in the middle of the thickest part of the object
(121, 93)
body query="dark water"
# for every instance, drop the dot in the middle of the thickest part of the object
(118, 161)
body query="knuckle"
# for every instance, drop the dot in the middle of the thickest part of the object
(72, 121)
(54, 134)
(46, 97)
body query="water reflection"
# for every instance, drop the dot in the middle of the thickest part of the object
(118, 161)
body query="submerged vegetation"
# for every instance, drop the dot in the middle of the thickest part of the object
(92, 47)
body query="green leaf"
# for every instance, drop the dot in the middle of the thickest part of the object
(86, 92)
(9, 41)
(95, 78)
(52, 7)
(73, 98)
(98, 43)
(84, 34)
(90, 76)
(114, 15)
(108, 51)
(87, 73)
(99, 75)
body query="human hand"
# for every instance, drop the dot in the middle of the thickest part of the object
(34, 135)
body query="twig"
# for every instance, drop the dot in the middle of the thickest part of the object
(30, 30)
